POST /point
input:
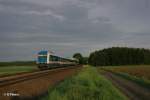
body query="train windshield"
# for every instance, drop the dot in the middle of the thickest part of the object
(42, 59)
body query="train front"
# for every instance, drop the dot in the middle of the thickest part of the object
(42, 59)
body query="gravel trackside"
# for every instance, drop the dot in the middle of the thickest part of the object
(34, 87)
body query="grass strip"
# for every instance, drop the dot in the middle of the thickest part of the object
(9, 70)
(86, 85)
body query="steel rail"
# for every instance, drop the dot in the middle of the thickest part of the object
(29, 76)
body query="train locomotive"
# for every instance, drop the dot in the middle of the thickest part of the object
(47, 60)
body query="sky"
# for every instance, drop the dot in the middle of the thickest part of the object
(69, 26)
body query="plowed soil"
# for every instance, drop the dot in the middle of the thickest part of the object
(31, 89)
(132, 90)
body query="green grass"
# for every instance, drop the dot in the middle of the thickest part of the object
(18, 63)
(88, 84)
(16, 69)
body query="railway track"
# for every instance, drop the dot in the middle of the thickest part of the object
(32, 85)
(4, 81)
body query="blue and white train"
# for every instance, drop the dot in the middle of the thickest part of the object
(47, 60)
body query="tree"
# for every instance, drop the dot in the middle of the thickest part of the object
(119, 56)
(85, 60)
(79, 57)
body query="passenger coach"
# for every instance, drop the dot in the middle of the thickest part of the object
(47, 60)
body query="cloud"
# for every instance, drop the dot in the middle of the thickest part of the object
(69, 26)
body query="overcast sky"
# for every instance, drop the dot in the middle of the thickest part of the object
(69, 26)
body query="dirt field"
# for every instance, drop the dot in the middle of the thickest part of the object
(35, 87)
(130, 89)
(142, 71)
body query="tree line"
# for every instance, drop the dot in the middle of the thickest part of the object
(119, 56)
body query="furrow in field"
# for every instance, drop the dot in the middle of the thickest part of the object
(131, 89)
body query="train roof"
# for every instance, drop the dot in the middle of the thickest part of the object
(43, 52)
